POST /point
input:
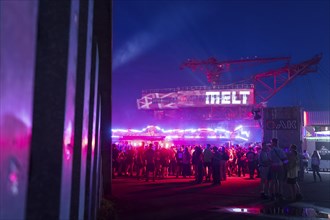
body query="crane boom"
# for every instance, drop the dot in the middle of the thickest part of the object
(269, 83)
(213, 68)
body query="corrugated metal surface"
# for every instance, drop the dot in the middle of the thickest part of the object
(317, 118)
(283, 123)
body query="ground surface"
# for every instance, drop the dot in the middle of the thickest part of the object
(236, 198)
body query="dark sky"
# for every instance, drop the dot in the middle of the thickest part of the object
(151, 39)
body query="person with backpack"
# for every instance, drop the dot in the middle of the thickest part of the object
(278, 158)
(264, 167)
(292, 173)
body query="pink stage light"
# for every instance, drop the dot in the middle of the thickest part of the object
(305, 118)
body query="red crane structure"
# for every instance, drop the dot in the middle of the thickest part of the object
(267, 84)
(222, 101)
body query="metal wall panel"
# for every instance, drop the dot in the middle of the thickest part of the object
(69, 121)
(49, 111)
(317, 118)
(86, 109)
(91, 135)
(95, 171)
(18, 24)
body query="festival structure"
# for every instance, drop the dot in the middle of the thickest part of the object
(220, 109)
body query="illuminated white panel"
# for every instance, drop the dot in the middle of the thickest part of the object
(225, 97)
(244, 96)
(323, 132)
(119, 130)
(212, 98)
(233, 98)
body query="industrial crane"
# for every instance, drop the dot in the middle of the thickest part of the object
(267, 84)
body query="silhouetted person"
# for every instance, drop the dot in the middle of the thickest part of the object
(150, 162)
(292, 172)
(278, 158)
(240, 162)
(216, 166)
(264, 166)
(207, 162)
(316, 160)
(198, 159)
(223, 163)
(250, 156)
(186, 163)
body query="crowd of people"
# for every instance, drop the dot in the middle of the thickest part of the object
(272, 164)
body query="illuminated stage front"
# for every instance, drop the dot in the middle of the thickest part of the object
(191, 136)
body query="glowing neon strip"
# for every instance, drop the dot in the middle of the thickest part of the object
(323, 132)
(191, 130)
(317, 138)
(136, 131)
(119, 130)
(239, 127)
(246, 133)
(242, 138)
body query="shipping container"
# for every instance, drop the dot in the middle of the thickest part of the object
(283, 123)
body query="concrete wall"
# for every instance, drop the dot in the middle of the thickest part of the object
(18, 36)
(50, 109)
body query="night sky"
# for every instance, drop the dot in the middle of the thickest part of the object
(151, 39)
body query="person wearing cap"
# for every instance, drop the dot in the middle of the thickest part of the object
(278, 158)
